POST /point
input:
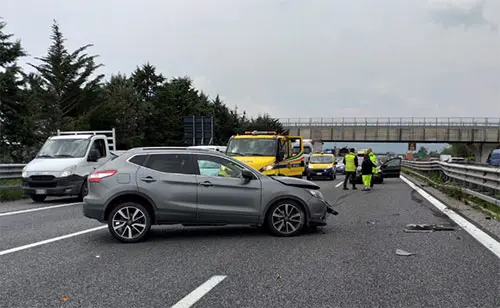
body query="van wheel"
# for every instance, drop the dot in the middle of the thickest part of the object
(129, 222)
(286, 218)
(38, 198)
(84, 191)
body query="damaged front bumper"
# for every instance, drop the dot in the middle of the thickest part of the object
(330, 209)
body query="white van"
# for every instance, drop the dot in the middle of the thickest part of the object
(310, 147)
(63, 163)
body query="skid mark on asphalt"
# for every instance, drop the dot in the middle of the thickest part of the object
(483, 238)
(190, 299)
(55, 239)
(39, 209)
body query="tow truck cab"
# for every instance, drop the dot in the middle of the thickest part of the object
(269, 152)
(63, 163)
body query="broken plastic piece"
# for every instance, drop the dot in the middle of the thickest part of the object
(427, 228)
(401, 252)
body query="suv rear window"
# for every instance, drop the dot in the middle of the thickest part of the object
(170, 163)
(138, 160)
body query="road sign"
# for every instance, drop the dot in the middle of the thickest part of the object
(412, 146)
(198, 130)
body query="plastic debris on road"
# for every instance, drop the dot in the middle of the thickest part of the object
(427, 228)
(401, 252)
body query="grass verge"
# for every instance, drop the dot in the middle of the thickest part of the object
(12, 194)
(457, 193)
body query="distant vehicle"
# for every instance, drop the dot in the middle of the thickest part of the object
(63, 163)
(310, 147)
(494, 158)
(192, 187)
(390, 169)
(340, 167)
(321, 165)
(268, 152)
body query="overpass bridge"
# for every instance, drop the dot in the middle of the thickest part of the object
(481, 134)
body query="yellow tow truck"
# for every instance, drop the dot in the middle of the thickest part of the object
(269, 152)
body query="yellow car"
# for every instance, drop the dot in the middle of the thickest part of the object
(321, 165)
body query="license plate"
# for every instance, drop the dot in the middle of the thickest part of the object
(319, 173)
(40, 192)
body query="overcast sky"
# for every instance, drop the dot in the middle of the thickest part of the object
(294, 58)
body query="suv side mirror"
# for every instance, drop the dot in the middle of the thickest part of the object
(93, 156)
(246, 174)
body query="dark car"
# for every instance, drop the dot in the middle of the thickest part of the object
(389, 169)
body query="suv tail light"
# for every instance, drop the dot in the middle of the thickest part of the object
(98, 175)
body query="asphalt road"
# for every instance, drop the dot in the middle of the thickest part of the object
(350, 263)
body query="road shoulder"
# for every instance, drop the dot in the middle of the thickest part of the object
(477, 217)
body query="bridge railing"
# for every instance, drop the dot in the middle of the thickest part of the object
(479, 181)
(403, 121)
(10, 172)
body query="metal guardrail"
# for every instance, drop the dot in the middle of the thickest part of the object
(477, 181)
(402, 121)
(10, 172)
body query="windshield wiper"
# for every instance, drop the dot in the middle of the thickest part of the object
(44, 156)
(64, 155)
(256, 154)
(236, 154)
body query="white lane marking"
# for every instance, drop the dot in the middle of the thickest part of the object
(39, 209)
(338, 185)
(477, 233)
(190, 299)
(4, 252)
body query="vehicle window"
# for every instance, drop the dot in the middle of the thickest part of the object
(62, 148)
(216, 166)
(100, 146)
(170, 163)
(394, 163)
(138, 160)
(252, 147)
(321, 159)
(307, 150)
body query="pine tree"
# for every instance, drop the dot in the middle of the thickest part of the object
(15, 133)
(68, 79)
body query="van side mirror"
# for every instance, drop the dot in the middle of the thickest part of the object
(246, 174)
(93, 156)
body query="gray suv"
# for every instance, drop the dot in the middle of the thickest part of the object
(192, 187)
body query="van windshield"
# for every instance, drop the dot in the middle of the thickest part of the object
(252, 147)
(321, 160)
(64, 148)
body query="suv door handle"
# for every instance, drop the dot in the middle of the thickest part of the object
(148, 179)
(206, 184)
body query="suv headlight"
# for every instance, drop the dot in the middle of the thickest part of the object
(315, 193)
(24, 173)
(68, 171)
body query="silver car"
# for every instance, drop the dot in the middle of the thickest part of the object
(193, 187)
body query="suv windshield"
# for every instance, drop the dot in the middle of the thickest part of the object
(61, 148)
(321, 160)
(252, 147)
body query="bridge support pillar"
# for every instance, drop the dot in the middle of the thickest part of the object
(482, 150)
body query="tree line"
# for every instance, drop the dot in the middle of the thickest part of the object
(65, 91)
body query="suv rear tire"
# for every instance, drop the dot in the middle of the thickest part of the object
(129, 222)
(286, 218)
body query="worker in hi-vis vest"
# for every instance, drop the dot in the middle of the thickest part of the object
(373, 158)
(351, 164)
